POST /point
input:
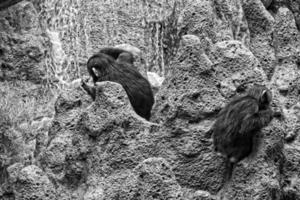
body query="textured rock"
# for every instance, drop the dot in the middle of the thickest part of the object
(197, 14)
(102, 150)
(32, 183)
(286, 36)
(190, 87)
(151, 179)
(294, 6)
(112, 140)
(262, 48)
(291, 172)
(156, 180)
(234, 66)
(21, 44)
(231, 22)
(199, 170)
(258, 18)
(99, 20)
(286, 78)
(192, 97)
(98, 138)
(262, 41)
(261, 25)
(14, 153)
(199, 20)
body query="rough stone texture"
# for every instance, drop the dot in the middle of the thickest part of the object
(106, 145)
(189, 92)
(235, 65)
(231, 21)
(261, 47)
(156, 180)
(286, 78)
(199, 18)
(95, 140)
(22, 47)
(101, 149)
(286, 35)
(294, 6)
(291, 172)
(15, 153)
(32, 183)
(151, 179)
(261, 25)
(258, 18)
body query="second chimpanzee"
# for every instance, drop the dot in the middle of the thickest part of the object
(239, 121)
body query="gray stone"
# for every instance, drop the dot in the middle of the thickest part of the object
(33, 183)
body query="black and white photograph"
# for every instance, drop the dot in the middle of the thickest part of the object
(149, 99)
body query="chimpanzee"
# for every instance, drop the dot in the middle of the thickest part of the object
(116, 65)
(118, 53)
(239, 121)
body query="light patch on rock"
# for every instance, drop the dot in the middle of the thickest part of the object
(128, 47)
(154, 79)
(58, 52)
(296, 109)
(94, 193)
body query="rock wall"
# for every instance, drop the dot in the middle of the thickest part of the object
(103, 150)
(22, 46)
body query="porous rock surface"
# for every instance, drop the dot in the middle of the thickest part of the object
(22, 46)
(102, 150)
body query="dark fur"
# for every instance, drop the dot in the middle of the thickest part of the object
(96, 66)
(136, 86)
(125, 57)
(239, 121)
(118, 53)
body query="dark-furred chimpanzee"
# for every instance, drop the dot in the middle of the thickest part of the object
(118, 53)
(104, 67)
(239, 121)
(126, 57)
